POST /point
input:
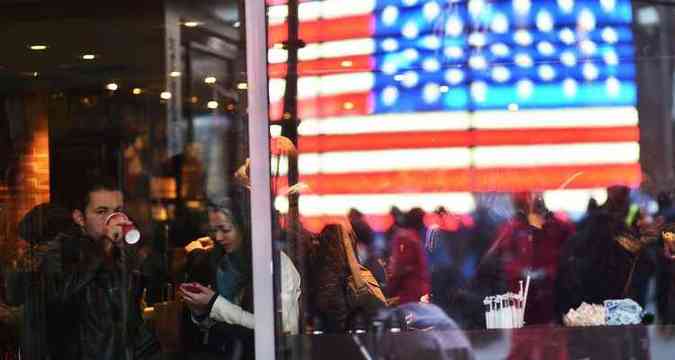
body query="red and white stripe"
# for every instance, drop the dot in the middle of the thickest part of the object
(352, 158)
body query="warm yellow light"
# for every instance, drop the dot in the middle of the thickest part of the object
(112, 86)
(348, 106)
(136, 91)
(346, 63)
(165, 95)
(88, 57)
(212, 104)
(38, 47)
(242, 86)
(194, 99)
(174, 74)
(210, 79)
(191, 23)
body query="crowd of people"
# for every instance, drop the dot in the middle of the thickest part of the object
(79, 287)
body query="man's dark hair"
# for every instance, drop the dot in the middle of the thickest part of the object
(91, 185)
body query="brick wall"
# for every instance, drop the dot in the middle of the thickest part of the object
(27, 182)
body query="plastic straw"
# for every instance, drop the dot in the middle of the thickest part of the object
(527, 289)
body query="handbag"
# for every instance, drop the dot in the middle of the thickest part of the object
(362, 289)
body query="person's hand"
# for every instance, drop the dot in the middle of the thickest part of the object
(197, 301)
(203, 243)
(114, 231)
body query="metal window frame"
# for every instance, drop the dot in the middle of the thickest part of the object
(261, 202)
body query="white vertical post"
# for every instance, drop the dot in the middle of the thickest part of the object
(261, 204)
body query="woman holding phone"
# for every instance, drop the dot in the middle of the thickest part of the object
(222, 304)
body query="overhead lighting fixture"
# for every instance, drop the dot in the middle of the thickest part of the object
(88, 57)
(242, 86)
(236, 24)
(174, 74)
(165, 95)
(112, 86)
(210, 79)
(212, 105)
(191, 23)
(136, 91)
(38, 47)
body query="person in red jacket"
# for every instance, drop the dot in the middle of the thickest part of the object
(530, 244)
(409, 275)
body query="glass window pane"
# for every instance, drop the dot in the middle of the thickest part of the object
(464, 167)
(124, 231)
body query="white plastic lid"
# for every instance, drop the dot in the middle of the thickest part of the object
(132, 236)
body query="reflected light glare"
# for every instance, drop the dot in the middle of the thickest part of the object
(566, 5)
(111, 86)
(567, 36)
(431, 10)
(523, 37)
(478, 91)
(613, 86)
(165, 95)
(431, 93)
(590, 71)
(275, 130)
(281, 204)
(586, 20)
(390, 15)
(500, 24)
(545, 48)
(570, 87)
(212, 105)
(501, 74)
(544, 21)
(522, 7)
(210, 79)
(454, 26)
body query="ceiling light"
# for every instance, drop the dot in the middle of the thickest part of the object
(112, 86)
(212, 105)
(88, 57)
(210, 79)
(38, 47)
(191, 23)
(174, 74)
(165, 95)
(136, 91)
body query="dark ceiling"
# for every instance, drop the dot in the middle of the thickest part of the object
(127, 38)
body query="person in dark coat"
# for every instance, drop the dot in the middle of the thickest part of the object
(102, 282)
